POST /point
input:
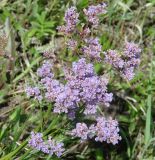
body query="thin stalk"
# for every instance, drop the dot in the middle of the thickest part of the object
(149, 107)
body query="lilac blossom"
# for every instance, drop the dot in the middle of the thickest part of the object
(92, 48)
(55, 147)
(45, 70)
(127, 62)
(83, 85)
(104, 130)
(80, 131)
(50, 146)
(132, 50)
(72, 44)
(71, 19)
(114, 58)
(93, 11)
(36, 140)
(128, 73)
(33, 92)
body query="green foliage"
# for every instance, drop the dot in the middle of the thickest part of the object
(33, 26)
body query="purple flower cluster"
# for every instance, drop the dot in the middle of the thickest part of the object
(34, 92)
(127, 62)
(83, 89)
(45, 70)
(132, 60)
(72, 44)
(71, 19)
(50, 146)
(113, 57)
(83, 85)
(92, 48)
(93, 11)
(132, 50)
(81, 131)
(104, 130)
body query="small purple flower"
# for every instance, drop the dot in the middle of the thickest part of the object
(107, 130)
(50, 146)
(34, 92)
(72, 44)
(104, 130)
(80, 131)
(36, 140)
(132, 50)
(127, 62)
(55, 147)
(71, 16)
(82, 69)
(93, 11)
(128, 73)
(45, 70)
(45, 148)
(92, 48)
(114, 59)
(71, 19)
(90, 109)
(132, 60)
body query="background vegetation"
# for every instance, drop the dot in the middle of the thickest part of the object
(30, 26)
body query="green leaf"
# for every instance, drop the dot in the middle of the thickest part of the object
(99, 154)
(15, 116)
(82, 3)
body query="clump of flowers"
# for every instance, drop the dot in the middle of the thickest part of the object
(50, 146)
(72, 44)
(83, 85)
(113, 57)
(93, 11)
(34, 92)
(126, 61)
(83, 91)
(92, 48)
(132, 59)
(45, 70)
(71, 19)
(104, 130)
(80, 131)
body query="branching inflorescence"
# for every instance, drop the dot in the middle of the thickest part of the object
(83, 90)
(104, 130)
(125, 62)
(50, 146)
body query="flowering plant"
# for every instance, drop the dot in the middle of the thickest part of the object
(83, 92)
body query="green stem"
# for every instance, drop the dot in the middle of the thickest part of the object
(27, 70)
(10, 155)
(148, 114)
